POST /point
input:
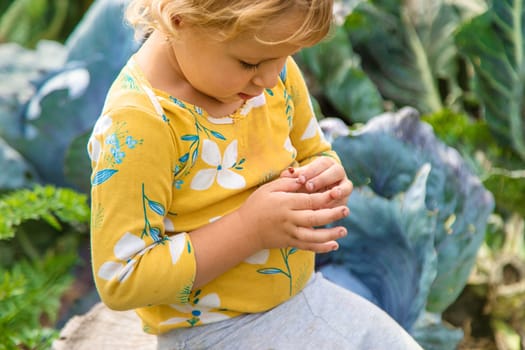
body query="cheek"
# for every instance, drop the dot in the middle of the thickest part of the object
(227, 78)
(216, 77)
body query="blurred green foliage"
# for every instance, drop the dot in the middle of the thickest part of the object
(26, 22)
(40, 233)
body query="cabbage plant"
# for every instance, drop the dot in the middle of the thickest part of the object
(407, 48)
(494, 44)
(418, 218)
(339, 76)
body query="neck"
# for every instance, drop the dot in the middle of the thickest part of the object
(159, 64)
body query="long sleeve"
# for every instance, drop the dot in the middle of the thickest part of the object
(306, 135)
(136, 262)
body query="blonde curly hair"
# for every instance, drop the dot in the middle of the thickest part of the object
(229, 18)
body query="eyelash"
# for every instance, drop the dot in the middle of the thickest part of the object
(248, 66)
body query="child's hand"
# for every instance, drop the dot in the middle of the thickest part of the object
(278, 217)
(324, 174)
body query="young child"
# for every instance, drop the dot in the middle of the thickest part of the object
(212, 184)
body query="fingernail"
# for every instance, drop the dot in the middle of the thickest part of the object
(335, 247)
(342, 232)
(310, 186)
(301, 179)
(291, 169)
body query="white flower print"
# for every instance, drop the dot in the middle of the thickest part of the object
(128, 246)
(177, 244)
(289, 146)
(260, 257)
(101, 126)
(168, 225)
(199, 311)
(312, 130)
(221, 169)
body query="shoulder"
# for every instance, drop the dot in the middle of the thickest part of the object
(130, 107)
(291, 73)
(125, 92)
(131, 102)
(293, 80)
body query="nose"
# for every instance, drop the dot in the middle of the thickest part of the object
(267, 75)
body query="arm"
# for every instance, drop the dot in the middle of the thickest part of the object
(134, 262)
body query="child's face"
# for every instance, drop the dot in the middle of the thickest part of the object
(234, 70)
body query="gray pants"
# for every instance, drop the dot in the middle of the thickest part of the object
(322, 316)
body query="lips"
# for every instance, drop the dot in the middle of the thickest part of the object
(245, 96)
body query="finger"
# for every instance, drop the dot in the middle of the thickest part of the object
(342, 191)
(320, 217)
(324, 247)
(308, 201)
(314, 169)
(319, 235)
(327, 179)
(284, 184)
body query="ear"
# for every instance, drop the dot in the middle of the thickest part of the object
(177, 21)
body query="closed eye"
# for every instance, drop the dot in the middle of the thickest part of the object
(248, 66)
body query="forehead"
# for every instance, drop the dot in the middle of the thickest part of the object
(252, 50)
(270, 38)
(280, 28)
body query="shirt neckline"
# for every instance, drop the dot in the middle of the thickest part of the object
(180, 103)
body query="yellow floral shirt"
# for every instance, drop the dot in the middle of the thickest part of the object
(163, 167)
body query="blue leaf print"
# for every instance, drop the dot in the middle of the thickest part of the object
(102, 176)
(269, 92)
(178, 102)
(282, 74)
(156, 207)
(184, 158)
(270, 271)
(195, 155)
(155, 234)
(218, 135)
(238, 166)
(285, 254)
(188, 137)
